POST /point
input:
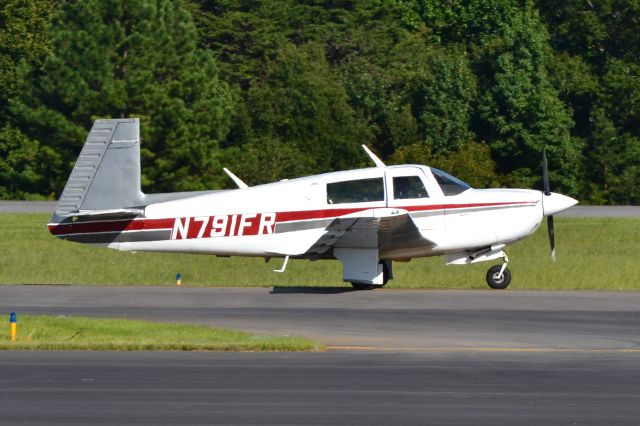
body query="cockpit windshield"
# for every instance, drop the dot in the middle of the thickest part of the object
(450, 185)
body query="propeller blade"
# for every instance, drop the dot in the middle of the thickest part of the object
(552, 237)
(545, 174)
(547, 192)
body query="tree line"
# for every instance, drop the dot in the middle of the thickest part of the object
(286, 88)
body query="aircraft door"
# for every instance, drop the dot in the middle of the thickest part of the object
(409, 189)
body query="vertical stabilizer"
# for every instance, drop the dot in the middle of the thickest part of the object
(107, 172)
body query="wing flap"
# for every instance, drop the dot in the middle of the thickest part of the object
(336, 229)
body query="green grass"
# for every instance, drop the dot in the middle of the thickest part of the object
(81, 333)
(597, 254)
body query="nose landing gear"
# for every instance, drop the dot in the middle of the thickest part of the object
(499, 276)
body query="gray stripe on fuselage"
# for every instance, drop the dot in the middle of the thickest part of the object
(486, 208)
(118, 237)
(427, 213)
(302, 225)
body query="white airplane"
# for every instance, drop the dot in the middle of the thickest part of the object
(365, 218)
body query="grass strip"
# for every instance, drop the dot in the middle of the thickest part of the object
(592, 254)
(41, 332)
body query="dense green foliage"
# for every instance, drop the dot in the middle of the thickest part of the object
(285, 88)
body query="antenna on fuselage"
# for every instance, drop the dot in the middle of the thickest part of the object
(374, 157)
(236, 179)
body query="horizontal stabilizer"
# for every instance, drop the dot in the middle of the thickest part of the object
(108, 214)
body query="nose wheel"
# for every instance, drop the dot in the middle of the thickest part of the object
(499, 276)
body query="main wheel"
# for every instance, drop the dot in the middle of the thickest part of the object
(361, 286)
(496, 281)
(385, 273)
(385, 280)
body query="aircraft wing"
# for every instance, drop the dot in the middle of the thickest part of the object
(399, 232)
(333, 233)
(387, 232)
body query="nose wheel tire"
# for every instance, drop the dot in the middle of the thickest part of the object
(497, 281)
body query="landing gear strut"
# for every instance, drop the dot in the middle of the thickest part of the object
(499, 276)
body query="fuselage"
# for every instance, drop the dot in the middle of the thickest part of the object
(286, 218)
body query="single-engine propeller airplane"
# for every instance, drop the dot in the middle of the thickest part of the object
(365, 218)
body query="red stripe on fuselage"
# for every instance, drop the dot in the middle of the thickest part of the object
(330, 213)
(111, 226)
(316, 214)
(168, 223)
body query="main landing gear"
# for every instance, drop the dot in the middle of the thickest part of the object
(386, 275)
(499, 276)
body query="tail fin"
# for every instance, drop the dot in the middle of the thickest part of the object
(107, 173)
(105, 182)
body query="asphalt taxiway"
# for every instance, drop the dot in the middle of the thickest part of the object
(382, 319)
(319, 388)
(394, 357)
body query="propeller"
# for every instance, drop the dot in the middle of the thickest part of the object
(547, 192)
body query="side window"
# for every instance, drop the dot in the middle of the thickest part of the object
(355, 191)
(405, 187)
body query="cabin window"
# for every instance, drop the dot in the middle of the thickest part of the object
(355, 191)
(450, 185)
(405, 187)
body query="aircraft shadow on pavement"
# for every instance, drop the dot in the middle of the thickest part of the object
(310, 290)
